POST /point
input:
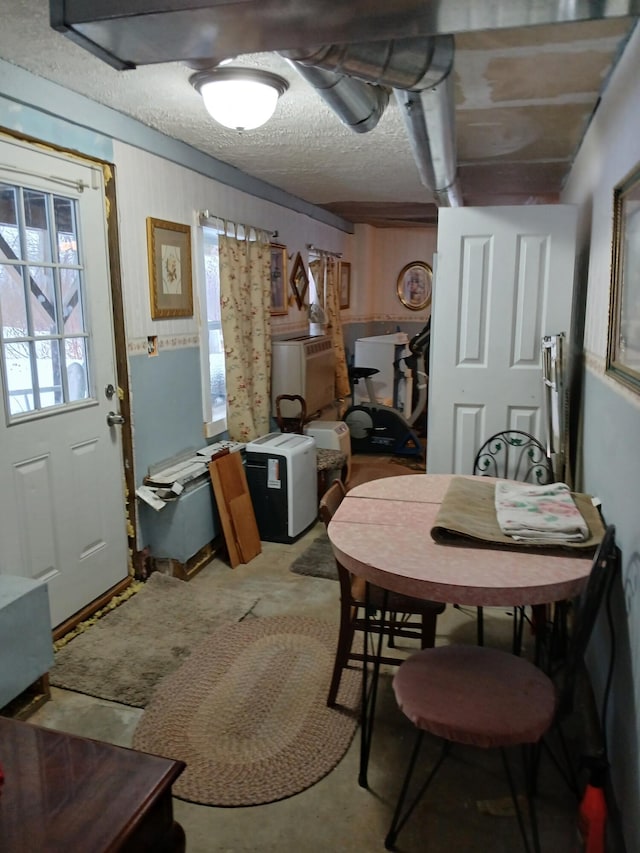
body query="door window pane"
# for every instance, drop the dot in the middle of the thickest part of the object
(17, 363)
(45, 341)
(13, 308)
(38, 238)
(76, 363)
(72, 313)
(67, 244)
(49, 376)
(42, 301)
(9, 234)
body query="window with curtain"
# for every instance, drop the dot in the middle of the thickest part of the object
(236, 328)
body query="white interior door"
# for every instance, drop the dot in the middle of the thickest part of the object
(504, 279)
(63, 511)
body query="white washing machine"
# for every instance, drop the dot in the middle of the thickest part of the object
(282, 477)
(331, 435)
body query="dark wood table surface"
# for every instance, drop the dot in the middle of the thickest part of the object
(67, 793)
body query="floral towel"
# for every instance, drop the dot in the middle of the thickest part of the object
(531, 513)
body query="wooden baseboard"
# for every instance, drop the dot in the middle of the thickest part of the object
(90, 609)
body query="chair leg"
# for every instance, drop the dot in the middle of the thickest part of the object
(397, 823)
(368, 706)
(518, 810)
(562, 762)
(480, 626)
(391, 636)
(428, 633)
(345, 641)
(518, 629)
(531, 761)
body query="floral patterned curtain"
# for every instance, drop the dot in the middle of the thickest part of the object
(334, 328)
(245, 294)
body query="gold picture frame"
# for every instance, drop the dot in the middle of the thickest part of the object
(623, 342)
(345, 284)
(414, 285)
(170, 279)
(279, 279)
(299, 280)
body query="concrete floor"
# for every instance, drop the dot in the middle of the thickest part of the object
(336, 814)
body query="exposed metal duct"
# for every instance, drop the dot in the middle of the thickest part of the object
(419, 71)
(359, 105)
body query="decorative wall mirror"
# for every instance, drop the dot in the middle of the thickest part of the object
(299, 280)
(623, 346)
(414, 285)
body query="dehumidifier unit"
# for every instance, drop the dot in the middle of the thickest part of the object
(283, 482)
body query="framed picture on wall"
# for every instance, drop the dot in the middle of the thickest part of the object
(345, 284)
(414, 285)
(170, 284)
(623, 345)
(279, 288)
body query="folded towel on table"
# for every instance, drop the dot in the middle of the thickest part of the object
(529, 513)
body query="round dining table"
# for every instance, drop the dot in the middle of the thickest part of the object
(381, 532)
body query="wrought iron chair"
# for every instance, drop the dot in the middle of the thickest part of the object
(513, 455)
(489, 698)
(353, 601)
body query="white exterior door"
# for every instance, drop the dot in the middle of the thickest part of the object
(504, 280)
(63, 512)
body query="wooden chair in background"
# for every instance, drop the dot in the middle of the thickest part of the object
(353, 601)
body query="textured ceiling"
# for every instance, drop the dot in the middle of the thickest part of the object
(523, 100)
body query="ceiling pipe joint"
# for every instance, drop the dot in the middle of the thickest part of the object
(353, 81)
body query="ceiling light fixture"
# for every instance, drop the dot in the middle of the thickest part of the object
(239, 98)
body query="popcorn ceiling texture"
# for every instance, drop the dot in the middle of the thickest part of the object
(523, 96)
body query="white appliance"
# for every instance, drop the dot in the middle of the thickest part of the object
(331, 435)
(282, 478)
(306, 366)
(381, 353)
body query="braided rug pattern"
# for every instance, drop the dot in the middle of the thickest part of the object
(247, 712)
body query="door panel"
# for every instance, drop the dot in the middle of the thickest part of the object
(63, 514)
(504, 279)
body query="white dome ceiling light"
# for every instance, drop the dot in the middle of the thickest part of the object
(239, 98)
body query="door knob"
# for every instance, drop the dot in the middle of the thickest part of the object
(113, 418)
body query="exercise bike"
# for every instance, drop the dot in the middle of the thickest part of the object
(376, 428)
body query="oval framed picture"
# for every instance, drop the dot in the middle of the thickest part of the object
(414, 285)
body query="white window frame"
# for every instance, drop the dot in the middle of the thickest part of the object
(213, 426)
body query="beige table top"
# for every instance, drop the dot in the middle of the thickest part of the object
(381, 532)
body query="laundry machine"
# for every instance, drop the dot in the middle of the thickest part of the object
(282, 479)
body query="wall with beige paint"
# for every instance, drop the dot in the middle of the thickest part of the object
(379, 254)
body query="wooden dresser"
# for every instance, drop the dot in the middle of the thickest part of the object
(67, 793)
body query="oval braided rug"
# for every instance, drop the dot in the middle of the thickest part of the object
(247, 712)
